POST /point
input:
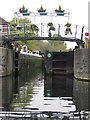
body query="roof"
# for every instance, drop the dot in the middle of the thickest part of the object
(3, 22)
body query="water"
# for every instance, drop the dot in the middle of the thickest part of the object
(36, 92)
(44, 94)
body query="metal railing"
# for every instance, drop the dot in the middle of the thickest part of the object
(45, 115)
(44, 29)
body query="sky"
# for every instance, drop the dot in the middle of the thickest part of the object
(78, 8)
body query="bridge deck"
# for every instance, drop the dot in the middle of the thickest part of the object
(43, 38)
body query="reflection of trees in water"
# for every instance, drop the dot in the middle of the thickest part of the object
(11, 87)
(7, 91)
(58, 85)
(23, 97)
(26, 84)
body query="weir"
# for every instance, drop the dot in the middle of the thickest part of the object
(73, 62)
(59, 65)
(59, 62)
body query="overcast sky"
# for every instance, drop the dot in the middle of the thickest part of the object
(78, 8)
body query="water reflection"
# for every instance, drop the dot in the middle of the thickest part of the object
(52, 93)
(81, 95)
(7, 91)
(26, 81)
(31, 93)
(58, 86)
(13, 89)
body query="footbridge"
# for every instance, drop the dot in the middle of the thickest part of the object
(57, 33)
(78, 41)
(42, 29)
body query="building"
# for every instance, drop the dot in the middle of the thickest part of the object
(4, 27)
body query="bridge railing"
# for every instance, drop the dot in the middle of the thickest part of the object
(74, 31)
(55, 30)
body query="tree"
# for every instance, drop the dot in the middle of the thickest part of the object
(57, 45)
(26, 25)
(26, 30)
(29, 29)
(22, 23)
